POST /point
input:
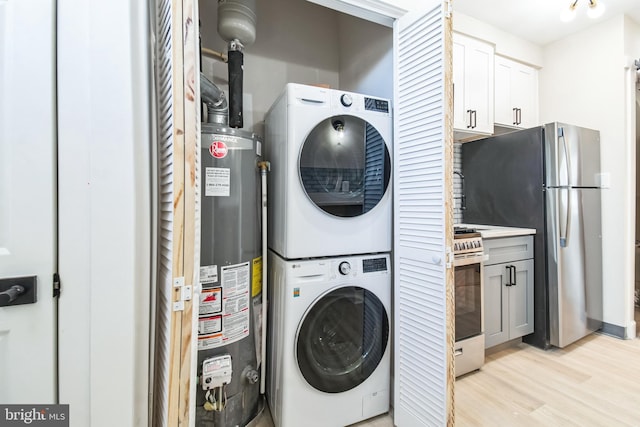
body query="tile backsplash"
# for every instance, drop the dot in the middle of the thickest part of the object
(457, 183)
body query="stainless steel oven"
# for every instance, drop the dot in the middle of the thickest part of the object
(469, 301)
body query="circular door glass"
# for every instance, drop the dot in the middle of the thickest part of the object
(342, 339)
(345, 166)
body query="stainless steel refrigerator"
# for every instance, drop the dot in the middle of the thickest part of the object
(547, 178)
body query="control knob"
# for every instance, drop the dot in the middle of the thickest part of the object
(346, 100)
(344, 268)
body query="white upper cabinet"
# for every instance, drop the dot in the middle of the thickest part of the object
(473, 62)
(516, 94)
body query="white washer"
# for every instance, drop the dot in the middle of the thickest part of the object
(330, 179)
(329, 335)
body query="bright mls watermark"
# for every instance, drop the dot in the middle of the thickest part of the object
(34, 415)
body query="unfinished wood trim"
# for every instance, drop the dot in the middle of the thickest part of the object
(449, 205)
(177, 60)
(191, 81)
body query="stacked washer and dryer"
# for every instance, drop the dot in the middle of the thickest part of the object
(330, 221)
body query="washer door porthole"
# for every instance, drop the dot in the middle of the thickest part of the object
(342, 339)
(345, 166)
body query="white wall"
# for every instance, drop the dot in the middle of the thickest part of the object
(632, 53)
(296, 41)
(506, 44)
(366, 57)
(104, 211)
(583, 83)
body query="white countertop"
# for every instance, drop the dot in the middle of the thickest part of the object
(495, 231)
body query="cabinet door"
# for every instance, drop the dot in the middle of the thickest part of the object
(496, 305)
(479, 85)
(460, 118)
(516, 94)
(521, 300)
(473, 65)
(524, 90)
(504, 111)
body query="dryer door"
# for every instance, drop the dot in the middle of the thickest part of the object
(345, 166)
(341, 339)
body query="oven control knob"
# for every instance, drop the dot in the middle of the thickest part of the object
(344, 267)
(346, 100)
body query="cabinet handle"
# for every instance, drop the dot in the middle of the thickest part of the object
(469, 112)
(515, 116)
(475, 118)
(514, 281)
(519, 116)
(509, 271)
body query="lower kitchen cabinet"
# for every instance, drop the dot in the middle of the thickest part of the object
(508, 290)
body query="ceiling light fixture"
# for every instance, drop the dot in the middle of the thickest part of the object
(596, 9)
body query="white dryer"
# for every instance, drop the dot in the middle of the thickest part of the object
(329, 335)
(330, 179)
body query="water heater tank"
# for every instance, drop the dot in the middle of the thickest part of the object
(237, 20)
(229, 318)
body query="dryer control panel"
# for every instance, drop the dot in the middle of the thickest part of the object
(373, 104)
(371, 265)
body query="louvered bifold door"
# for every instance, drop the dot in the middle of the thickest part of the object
(423, 218)
(178, 233)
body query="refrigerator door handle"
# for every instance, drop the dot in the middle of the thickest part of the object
(565, 215)
(567, 157)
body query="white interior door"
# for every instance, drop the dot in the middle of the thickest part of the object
(28, 198)
(423, 217)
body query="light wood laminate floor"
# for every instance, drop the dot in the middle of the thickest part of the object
(594, 382)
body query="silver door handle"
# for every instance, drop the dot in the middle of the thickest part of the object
(10, 295)
(565, 216)
(567, 159)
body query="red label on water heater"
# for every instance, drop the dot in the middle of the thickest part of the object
(218, 149)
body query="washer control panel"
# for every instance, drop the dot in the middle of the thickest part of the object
(346, 100)
(344, 268)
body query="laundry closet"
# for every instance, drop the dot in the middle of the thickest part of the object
(329, 267)
(333, 58)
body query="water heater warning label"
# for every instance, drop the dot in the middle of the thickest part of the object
(210, 301)
(208, 274)
(217, 182)
(235, 295)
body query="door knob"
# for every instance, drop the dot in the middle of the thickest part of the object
(11, 294)
(18, 291)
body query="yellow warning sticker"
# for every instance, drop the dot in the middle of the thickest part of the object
(256, 279)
